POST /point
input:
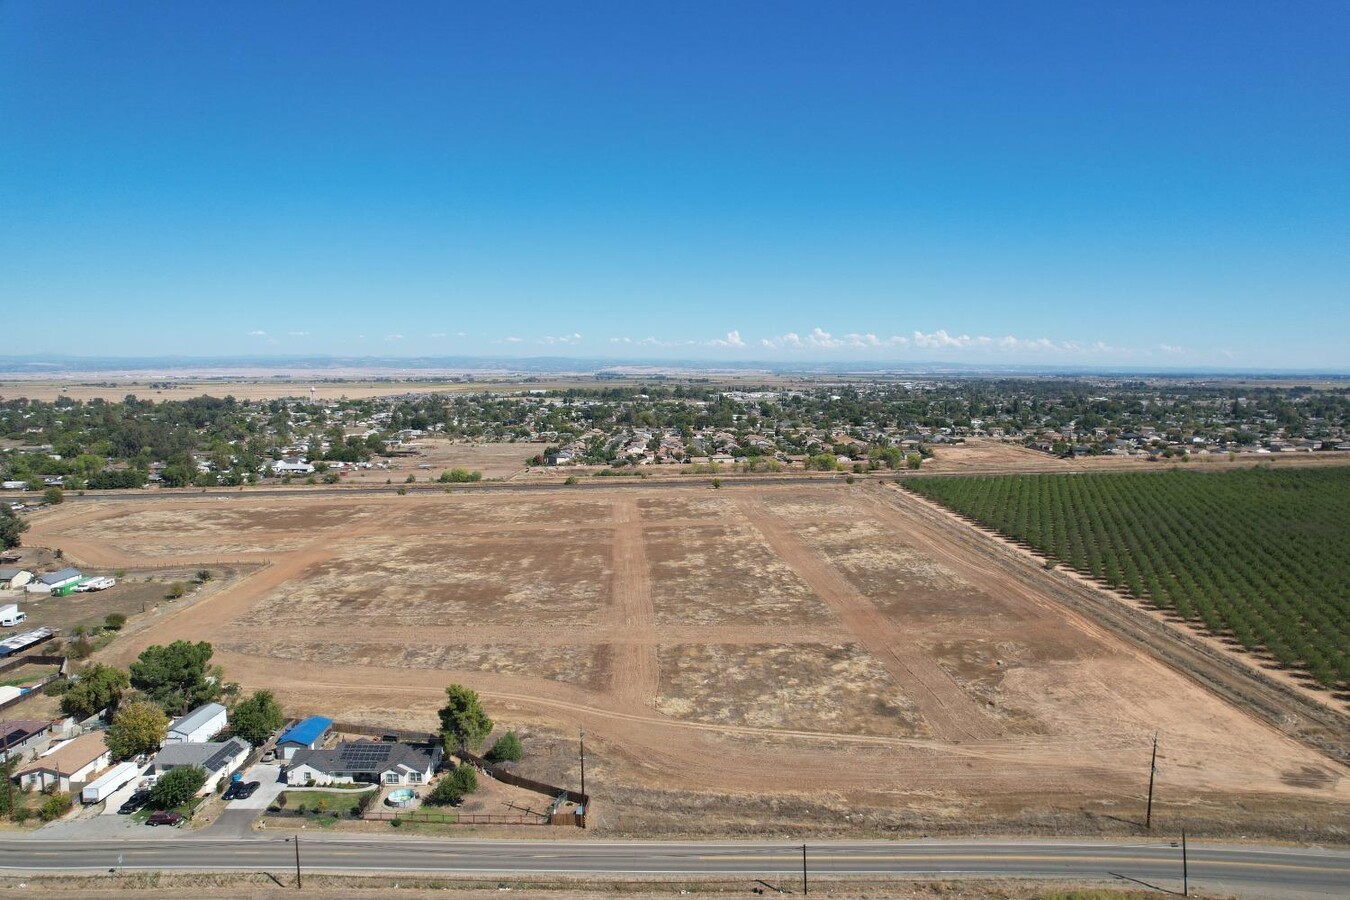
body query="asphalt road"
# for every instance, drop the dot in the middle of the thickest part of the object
(1249, 871)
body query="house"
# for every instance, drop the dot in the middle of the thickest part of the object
(13, 579)
(21, 737)
(15, 485)
(293, 465)
(307, 734)
(220, 759)
(75, 761)
(370, 762)
(198, 726)
(54, 582)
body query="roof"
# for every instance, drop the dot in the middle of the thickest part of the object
(59, 576)
(365, 758)
(16, 731)
(200, 716)
(8, 574)
(210, 755)
(70, 756)
(306, 731)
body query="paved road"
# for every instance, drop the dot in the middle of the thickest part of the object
(1249, 871)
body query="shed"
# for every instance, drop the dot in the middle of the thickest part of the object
(56, 581)
(202, 724)
(307, 734)
(13, 579)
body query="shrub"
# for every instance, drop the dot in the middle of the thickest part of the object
(204, 575)
(571, 479)
(506, 749)
(80, 648)
(55, 806)
(53, 495)
(176, 590)
(114, 621)
(455, 476)
(453, 786)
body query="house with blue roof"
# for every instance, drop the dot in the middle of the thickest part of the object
(307, 734)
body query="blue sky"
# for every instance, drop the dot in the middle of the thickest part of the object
(1077, 183)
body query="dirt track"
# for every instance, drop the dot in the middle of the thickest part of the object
(924, 677)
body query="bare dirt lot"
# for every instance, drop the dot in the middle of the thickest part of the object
(759, 659)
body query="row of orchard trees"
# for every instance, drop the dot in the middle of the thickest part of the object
(1261, 554)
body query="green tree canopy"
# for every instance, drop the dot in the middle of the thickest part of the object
(177, 786)
(99, 687)
(11, 526)
(178, 677)
(139, 727)
(464, 724)
(257, 717)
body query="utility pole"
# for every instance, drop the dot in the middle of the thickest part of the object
(583, 762)
(804, 890)
(1152, 771)
(298, 884)
(1185, 868)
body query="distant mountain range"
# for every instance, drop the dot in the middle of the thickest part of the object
(219, 367)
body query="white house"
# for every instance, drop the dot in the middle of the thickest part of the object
(370, 762)
(198, 726)
(74, 761)
(13, 579)
(220, 759)
(293, 465)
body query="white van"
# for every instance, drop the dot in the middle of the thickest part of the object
(10, 616)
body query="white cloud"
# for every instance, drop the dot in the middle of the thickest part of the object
(257, 334)
(437, 334)
(562, 339)
(1171, 348)
(298, 333)
(733, 339)
(393, 337)
(514, 340)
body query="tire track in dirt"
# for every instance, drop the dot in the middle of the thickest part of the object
(636, 675)
(209, 620)
(948, 710)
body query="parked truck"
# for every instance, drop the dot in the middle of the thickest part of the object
(10, 615)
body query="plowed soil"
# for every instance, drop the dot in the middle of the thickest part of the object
(765, 658)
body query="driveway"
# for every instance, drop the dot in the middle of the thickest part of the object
(237, 819)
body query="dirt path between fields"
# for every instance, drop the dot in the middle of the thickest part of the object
(636, 677)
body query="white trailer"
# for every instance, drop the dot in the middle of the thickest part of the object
(101, 583)
(101, 787)
(10, 615)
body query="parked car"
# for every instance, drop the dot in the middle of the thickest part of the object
(269, 756)
(241, 790)
(134, 802)
(164, 817)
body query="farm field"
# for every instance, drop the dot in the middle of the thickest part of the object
(761, 658)
(1258, 554)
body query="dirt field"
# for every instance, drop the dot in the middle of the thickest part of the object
(759, 659)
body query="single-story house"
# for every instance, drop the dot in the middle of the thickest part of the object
(220, 759)
(13, 579)
(54, 581)
(198, 726)
(75, 761)
(307, 734)
(292, 466)
(371, 762)
(20, 738)
(14, 485)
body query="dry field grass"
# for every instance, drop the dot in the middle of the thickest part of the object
(763, 658)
